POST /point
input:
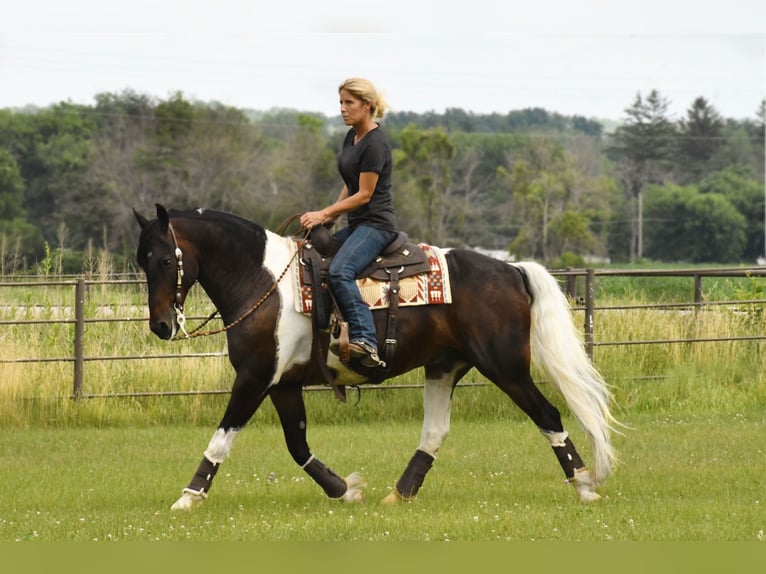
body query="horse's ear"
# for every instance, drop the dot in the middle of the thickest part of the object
(163, 218)
(142, 221)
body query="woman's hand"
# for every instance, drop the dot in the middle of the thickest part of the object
(311, 219)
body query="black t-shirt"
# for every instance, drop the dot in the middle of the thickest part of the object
(370, 154)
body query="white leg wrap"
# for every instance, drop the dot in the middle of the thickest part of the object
(220, 445)
(556, 439)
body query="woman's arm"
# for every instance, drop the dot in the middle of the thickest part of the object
(345, 203)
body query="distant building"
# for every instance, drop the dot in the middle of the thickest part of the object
(501, 254)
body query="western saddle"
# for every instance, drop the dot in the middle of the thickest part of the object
(401, 258)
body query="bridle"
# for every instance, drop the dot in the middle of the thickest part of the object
(178, 305)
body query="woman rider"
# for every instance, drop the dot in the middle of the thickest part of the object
(365, 166)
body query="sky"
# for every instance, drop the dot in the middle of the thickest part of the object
(583, 57)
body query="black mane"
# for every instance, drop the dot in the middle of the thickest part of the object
(215, 216)
(231, 230)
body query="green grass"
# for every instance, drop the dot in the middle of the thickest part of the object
(109, 468)
(669, 289)
(697, 478)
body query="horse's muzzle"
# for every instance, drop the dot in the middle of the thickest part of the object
(162, 329)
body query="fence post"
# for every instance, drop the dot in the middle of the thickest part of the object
(79, 332)
(590, 295)
(697, 288)
(571, 284)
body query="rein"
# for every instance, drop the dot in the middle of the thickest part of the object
(178, 305)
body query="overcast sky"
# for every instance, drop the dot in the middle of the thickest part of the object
(586, 57)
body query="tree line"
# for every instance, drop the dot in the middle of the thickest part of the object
(538, 184)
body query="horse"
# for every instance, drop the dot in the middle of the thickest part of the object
(502, 318)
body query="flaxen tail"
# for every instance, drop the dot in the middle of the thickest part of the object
(557, 348)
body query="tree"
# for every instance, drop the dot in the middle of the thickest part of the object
(471, 181)
(686, 225)
(530, 176)
(424, 158)
(17, 237)
(116, 178)
(700, 138)
(642, 145)
(207, 156)
(56, 163)
(540, 183)
(21, 243)
(758, 137)
(570, 233)
(11, 187)
(746, 194)
(302, 170)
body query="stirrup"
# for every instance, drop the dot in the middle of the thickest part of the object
(367, 355)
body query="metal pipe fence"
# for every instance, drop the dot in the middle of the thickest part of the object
(585, 303)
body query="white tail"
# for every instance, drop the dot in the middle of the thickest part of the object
(557, 348)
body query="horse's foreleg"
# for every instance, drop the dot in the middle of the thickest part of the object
(437, 404)
(217, 451)
(292, 414)
(244, 401)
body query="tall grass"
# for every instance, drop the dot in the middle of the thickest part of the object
(680, 374)
(645, 378)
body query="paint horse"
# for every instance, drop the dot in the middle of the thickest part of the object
(502, 316)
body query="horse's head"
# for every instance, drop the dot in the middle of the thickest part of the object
(170, 271)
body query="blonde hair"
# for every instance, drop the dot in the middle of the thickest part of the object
(366, 91)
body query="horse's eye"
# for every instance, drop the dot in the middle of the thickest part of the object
(166, 262)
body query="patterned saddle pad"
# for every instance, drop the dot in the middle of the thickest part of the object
(430, 288)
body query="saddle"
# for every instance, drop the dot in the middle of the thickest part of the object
(401, 258)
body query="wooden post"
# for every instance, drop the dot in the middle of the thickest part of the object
(572, 285)
(590, 295)
(697, 288)
(79, 333)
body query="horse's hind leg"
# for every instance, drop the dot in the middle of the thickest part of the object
(245, 399)
(528, 397)
(292, 414)
(437, 405)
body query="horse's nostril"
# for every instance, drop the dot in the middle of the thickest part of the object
(161, 329)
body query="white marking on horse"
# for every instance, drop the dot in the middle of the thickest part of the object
(293, 331)
(345, 376)
(437, 404)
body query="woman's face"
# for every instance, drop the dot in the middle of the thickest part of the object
(353, 110)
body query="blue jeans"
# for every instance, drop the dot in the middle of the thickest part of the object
(358, 250)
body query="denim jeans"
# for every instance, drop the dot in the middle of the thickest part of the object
(359, 248)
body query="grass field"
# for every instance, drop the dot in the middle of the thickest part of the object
(698, 478)
(109, 468)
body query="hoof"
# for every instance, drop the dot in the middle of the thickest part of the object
(589, 496)
(354, 485)
(189, 499)
(395, 497)
(584, 486)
